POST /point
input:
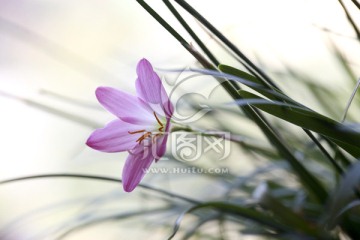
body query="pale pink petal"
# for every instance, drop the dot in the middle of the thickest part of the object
(114, 137)
(125, 106)
(148, 84)
(166, 104)
(161, 142)
(164, 109)
(161, 147)
(135, 168)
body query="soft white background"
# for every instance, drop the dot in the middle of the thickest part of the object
(52, 48)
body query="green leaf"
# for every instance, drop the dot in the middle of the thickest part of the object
(263, 89)
(284, 214)
(244, 212)
(236, 210)
(343, 198)
(344, 136)
(241, 74)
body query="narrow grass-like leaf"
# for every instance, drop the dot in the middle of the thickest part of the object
(195, 228)
(356, 3)
(98, 178)
(191, 32)
(226, 41)
(340, 57)
(350, 100)
(85, 223)
(259, 86)
(353, 204)
(305, 118)
(241, 74)
(233, 74)
(309, 181)
(235, 210)
(344, 195)
(285, 214)
(315, 190)
(273, 94)
(350, 19)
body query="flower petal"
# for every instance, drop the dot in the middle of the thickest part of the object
(167, 106)
(148, 84)
(114, 137)
(135, 168)
(161, 142)
(125, 106)
(161, 147)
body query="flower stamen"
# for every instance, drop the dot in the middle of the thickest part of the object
(147, 134)
(160, 123)
(139, 131)
(158, 120)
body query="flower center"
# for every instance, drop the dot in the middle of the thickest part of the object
(147, 134)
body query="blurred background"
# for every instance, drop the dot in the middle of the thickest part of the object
(54, 54)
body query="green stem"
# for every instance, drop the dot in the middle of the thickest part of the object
(191, 32)
(337, 167)
(350, 100)
(226, 41)
(356, 3)
(350, 19)
(162, 22)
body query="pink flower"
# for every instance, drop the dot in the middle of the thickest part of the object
(142, 126)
